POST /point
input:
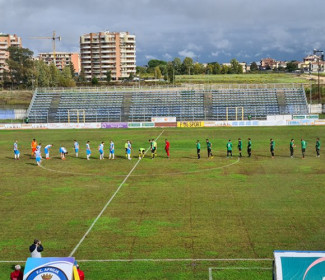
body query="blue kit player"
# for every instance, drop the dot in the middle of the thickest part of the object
(111, 150)
(16, 151)
(47, 151)
(76, 147)
(88, 151)
(63, 152)
(38, 157)
(101, 150)
(128, 150)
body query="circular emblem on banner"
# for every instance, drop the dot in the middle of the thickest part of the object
(47, 273)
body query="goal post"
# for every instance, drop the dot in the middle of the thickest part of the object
(237, 112)
(80, 115)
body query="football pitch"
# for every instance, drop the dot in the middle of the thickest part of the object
(177, 218)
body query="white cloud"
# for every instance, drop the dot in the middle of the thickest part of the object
(187, 53)
(150, 57)
(167, 56)
(215, 54)
(193, 47)
(222, 44)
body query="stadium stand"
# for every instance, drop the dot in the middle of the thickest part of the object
(218, 103)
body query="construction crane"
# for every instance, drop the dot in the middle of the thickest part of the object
(53, 38)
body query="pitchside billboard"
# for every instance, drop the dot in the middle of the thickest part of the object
(292, 265)
(49, 269)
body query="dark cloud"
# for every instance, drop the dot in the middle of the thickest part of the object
(208, 30)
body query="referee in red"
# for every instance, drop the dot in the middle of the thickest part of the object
(167, 145)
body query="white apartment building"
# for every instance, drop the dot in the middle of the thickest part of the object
(108, 51)
(7, 40)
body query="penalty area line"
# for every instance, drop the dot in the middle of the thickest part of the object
(109, 202)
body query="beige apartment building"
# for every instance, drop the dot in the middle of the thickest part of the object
(62, 59)
(7, 40)
(108, 51)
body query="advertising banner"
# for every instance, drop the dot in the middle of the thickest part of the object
(319, 122)
(299, 265)
(49, 269)
(73, 125)
(34, 126)
(141, 125)
(190, 124)
(147, 124)
(301, 117)
(301, 122)
(134, 125)
(114, 125)
(245, 123)
(216, 123)
(13, 126)
(163, 119)
(166, 124)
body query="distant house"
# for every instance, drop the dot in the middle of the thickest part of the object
(268, 64)
(311, 64)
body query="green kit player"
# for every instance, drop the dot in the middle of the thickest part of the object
(317, 147)
(240, 146)
(229, 148)
(249, 147)
(292, 146)
(272, 145)
(209, 148)
(303, 147)
(198, 149)
(153, 147)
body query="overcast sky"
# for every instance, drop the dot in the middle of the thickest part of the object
(206, 30)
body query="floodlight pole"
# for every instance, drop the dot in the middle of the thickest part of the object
(321, 53)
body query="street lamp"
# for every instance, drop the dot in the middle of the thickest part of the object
(321, 55)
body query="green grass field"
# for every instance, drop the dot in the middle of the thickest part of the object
(181, 208)
(264, 78)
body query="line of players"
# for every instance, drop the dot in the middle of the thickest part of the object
(229, 147)
(36, 149)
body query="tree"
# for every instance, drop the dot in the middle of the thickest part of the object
(216, 68)
(157, 72)
(82, 76)
(198, 68)
(187, 65)
(235, 67)
(171, 72)
(54, 76)
(254, 67)
(94, 81)
(131, 77)
(20, 65)
(224, 69)
(66, 79)
(292, 66)
(209, 69)
(108, 76)
(155, 62)
(42, 74)
(141, 70)
(177, 64)
(72, 69)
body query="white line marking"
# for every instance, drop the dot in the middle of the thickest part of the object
(163, 260)
(157, 174)
(174, 260)
(108, 202)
